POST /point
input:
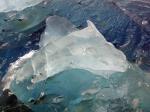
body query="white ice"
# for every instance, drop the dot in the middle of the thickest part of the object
(63, 47)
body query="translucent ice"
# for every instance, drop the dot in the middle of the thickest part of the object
(77, 71)
(64, 47)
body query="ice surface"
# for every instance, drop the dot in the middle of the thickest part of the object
(77, 71)
(64, 47)
(16, 5)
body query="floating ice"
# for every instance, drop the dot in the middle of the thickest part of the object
(16, 5)
(64, 47)
(77, 71)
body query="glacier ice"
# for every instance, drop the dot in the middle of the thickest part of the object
(63, 47)
(16, 5)
(75, 69)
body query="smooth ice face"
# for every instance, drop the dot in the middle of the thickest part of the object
(16, 5)
(65, 47)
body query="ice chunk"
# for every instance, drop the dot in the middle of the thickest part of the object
(64, 47)
(69, 73)
(16, 5)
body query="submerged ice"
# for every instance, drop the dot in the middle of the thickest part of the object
(77, 71)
